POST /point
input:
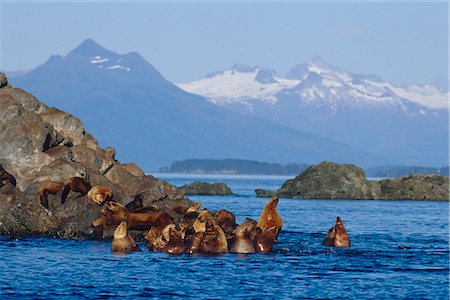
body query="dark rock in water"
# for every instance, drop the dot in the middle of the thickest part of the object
(204, 188)
(416, 187)
(329, 181)
(341, 181)
(261, 193)
(39, 144)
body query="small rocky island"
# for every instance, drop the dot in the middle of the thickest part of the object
(205, 188)
(39, 144)
(329, 180)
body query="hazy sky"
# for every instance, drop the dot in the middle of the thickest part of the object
(402, 42)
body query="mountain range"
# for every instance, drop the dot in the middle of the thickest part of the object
(406, 124)
(126, 103)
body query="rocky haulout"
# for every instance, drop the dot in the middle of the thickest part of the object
(205, 188)
(41, 144)
(329, 180)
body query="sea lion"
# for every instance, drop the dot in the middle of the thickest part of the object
(214, 240)
(175, 245)
(193, 242)
(76, 184)
(6, 177)
(269, 216)
(265, 240)
(100, 194)
(151, 208)
(136, 203)
(341, 237)
(116, 212)
(337, 236)
(122, 241)
(241, 241)
(329, 238)
(226, 220)
(48, 187)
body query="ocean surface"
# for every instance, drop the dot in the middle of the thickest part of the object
(400, 249)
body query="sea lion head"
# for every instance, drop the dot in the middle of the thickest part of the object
(166, 231)
(117, 210)
(339, 221)
(266, 239)
(200, 223)
(244, 229)
(139, 199)
(121, 230)
(273, 202)
(226, 220)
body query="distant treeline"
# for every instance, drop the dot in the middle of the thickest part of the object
(397, 171)
(233, 166)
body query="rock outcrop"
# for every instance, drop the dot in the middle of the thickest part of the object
(40, 143)
(342, 181)
(261, 193)
(205, 188)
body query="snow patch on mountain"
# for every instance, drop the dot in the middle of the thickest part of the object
(240, 84)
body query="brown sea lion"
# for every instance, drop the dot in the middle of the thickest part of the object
(226, 220)
(329, 239)
(241, 241)
(155, 240)
(341, 237)
(214, 240)
(265, 240)
(136, 203)
(117, 212)
(269, 216)
(193, 242)
(100, 194)
(76, 184)
(122, 241)
(6, 177)
(175, 245)
(48, 187)
(337, 236)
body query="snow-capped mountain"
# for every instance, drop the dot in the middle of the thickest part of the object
(313, 81)
(403, 123)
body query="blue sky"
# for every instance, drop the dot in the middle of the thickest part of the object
(401, 42)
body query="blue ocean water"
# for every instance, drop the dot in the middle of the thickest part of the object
(400, 249)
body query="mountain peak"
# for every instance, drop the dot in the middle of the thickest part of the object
(89, 48)
(244, 68)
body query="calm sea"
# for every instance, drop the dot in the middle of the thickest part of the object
(400, 249)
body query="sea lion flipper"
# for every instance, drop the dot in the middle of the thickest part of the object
(65, 193)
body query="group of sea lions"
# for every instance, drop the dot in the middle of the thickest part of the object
(195, 231)
(184, 229)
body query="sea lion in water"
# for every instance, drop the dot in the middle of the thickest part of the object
(265, 239)
(337, 236)
(270, 217)
(175, 244)
(48, 187)
(100, 194)
(6, 177)
(122, 241)
(241, 241)
(214, 240)
(76, 184)
(136, 203)
(226, 220)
